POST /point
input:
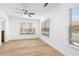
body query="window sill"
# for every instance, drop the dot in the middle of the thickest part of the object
(73, 46)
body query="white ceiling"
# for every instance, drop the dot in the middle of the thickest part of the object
(10, 8)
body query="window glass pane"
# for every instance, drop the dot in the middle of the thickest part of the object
(74, 26)
(27, 28)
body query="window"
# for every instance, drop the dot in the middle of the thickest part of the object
(45, 28)
(27, 28)
(74, 26)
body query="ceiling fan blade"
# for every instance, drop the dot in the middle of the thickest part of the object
(18, 12)
(32, 13)
(25, 10)
(29, 15)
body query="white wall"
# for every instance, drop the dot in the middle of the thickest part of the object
(14, 28)
(59, 30)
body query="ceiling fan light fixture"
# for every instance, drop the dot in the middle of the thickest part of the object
(26, 16)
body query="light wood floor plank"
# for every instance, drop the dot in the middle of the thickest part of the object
(30, 47)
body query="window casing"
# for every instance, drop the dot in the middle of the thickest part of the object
(27, 28)
(74, 27)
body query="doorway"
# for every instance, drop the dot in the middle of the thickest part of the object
(3, 31)
(2, 39)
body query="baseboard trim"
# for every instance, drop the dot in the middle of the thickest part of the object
(50, 44)
(70, 45)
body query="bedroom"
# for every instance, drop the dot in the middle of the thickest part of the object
(48, 22)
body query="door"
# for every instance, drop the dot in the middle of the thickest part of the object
(2, 33)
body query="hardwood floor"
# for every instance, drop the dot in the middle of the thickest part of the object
(30, 47)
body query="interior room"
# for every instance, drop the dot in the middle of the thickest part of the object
(39, 29)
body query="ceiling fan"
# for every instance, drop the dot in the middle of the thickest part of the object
(25, 12)
(45, 5)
